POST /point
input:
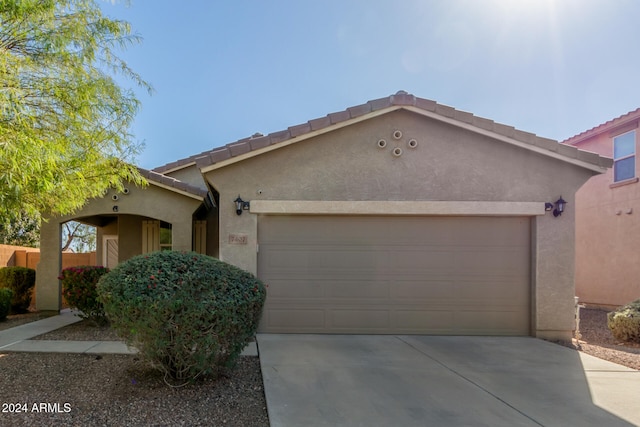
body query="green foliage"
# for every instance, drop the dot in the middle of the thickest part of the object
(188, 314)
(624, 322)
(21, 281)
(79, 289)
(5, 302)
(63, 118)
(78, 236)
(20, 229)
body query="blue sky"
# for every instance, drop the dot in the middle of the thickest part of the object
(223, 70)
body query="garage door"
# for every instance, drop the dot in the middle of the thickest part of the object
(414, 275)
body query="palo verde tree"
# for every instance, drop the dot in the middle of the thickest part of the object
(20, 229)
(64, 120)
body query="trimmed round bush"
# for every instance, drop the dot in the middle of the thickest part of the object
(79, 290)
(21, 281)
(5, 302)
(188, 314)
(624, 323)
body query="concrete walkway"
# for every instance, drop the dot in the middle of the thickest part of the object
(18, 339)
(384, 380)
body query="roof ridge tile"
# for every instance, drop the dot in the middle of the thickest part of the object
(603, 127)
(399, 99)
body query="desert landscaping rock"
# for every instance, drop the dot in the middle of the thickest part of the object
(121, 390)
(90, 390)
(598, 341)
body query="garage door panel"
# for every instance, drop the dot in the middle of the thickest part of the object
(416, 260)
(361, 290)
(491, 292)
(395, 274)
(496, 322)
(290, 289)
(291, 258)
(352, 259)
(350, 319)
(416, 291)
(287, 319)
(494, 262)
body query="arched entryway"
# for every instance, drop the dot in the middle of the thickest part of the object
(140, 221)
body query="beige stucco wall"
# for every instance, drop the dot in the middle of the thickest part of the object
(149, 202)
(607, 234)
(449, 164)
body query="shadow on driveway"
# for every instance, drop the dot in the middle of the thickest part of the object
(385, 380)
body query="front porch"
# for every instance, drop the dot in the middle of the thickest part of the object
(138, 220)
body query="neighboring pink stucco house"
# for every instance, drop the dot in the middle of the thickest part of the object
(608, 216)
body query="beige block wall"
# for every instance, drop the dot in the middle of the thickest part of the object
(8, 257)
(31, 259)
(448, 164)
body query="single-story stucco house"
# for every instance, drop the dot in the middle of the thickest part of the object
(399, 215)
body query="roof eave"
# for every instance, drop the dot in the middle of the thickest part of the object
(544, 150)
(174, 169)
(313, 133)
(546, 147)
(172, 184)
(176, 190)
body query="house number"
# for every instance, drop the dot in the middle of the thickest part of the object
(238, 239)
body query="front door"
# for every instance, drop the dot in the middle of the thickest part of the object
(110, 251)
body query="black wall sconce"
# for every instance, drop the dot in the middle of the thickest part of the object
(559, 205)
(241, 205)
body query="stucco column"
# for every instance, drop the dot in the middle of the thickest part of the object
(553, 282)
(238, 235)
(48, 292)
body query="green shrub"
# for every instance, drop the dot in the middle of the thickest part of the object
(624, 323)
(5, 302)
(187, 314)
(79, 289)
(21, 281)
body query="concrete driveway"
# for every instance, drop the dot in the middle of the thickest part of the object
(387, 380)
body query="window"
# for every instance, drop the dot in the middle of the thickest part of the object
(156, 236)
(165, 237)
(624, 156)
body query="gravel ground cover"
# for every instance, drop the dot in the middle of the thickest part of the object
(81, 331)
(49, 389)
(81, 390)
(598, 341)
(46, 389)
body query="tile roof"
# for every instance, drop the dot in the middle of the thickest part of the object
(400, 99)
(605, 127)
(179, 164)
(172, 183)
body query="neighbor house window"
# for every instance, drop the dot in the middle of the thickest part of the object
(624, 156)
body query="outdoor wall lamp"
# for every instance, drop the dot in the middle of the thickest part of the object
(241, 205)
(560, 204)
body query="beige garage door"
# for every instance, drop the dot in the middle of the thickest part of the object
(414, 275)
